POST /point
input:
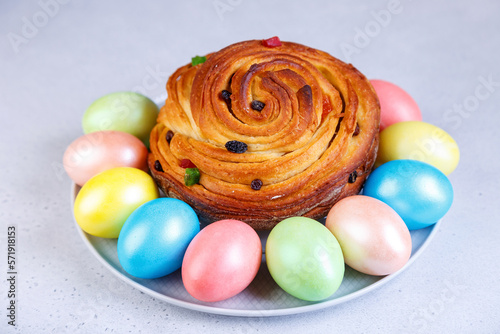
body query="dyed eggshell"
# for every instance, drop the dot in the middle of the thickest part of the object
(417, 191)
(105, 202)
(304, 258)
(396, 105)
(221, 261)
(155, 237)
(373, 238)
(122, 111)
(419, 141)
(98, 151)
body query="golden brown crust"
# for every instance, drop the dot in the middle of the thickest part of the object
(302, 145)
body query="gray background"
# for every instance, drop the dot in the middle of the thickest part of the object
(441, 52)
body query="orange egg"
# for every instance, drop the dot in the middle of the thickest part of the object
(373, 237)
(98, 151)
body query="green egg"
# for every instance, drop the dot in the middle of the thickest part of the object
(122, 111)
(305, 259)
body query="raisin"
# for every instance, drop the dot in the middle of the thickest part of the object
(225, 95)
(338, 125)
(356, 131)
(256, 184)
(158, 166)
(169, 136)
(352, 177)
(235, 146)
(257, 105)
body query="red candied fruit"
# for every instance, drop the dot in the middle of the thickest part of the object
(186, 163)
(327, 107)
(271, 42)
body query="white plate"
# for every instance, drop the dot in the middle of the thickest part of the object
(263, 297)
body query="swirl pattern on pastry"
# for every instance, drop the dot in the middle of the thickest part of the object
(309, 121)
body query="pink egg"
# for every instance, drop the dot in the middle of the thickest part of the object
(98, 151)
(396, 105)
(221, 260)
(373, 237)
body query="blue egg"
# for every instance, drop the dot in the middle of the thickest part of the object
(420, 193)
(153, 240)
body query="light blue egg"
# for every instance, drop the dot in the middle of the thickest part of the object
(153, 240)
(420, 193)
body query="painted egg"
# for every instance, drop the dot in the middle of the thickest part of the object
(104, 203)
(373, 237)
(221, 261)
(396, 105)
(155, 237)
(420, 193)
(304, 258)
(98, 151)
(419, 141)
(122, 111)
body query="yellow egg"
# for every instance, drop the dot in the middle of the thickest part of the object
(421, 141)
(104, 203)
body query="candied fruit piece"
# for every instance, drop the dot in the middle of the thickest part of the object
(186, 163)
(191, 176)
(198, 60)
(271, 42)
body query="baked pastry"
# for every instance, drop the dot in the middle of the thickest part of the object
(275, 131)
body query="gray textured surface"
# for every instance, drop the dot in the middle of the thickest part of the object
(440, 52)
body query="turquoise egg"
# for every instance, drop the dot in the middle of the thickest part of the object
(420, 193)
(153, 240)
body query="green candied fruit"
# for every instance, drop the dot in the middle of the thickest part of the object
(198, 60)
(191, 176)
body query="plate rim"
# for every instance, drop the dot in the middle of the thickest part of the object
(249, 313)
